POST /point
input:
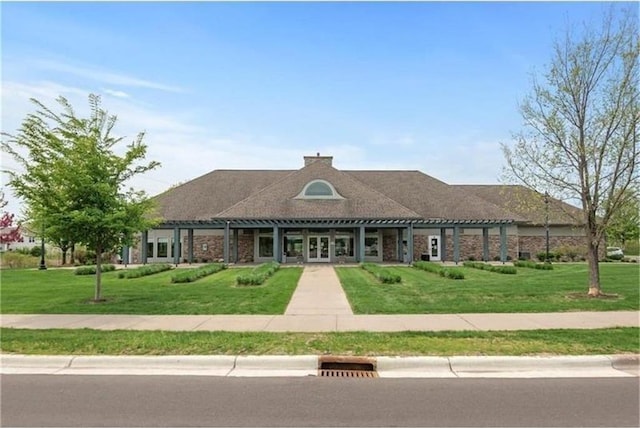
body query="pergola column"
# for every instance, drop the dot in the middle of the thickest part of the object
(361, 235)
(503, 243)
(485, 244)
(276, 244)
(190, 245)
(143, 250)
(176, 245)
(456, 244)
(225, 247)
(443, 244)
(410, 243)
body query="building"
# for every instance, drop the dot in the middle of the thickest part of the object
(321, 214)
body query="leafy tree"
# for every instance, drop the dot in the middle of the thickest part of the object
(625, 222)
(8, 232)
(75, 181)
(580, 140)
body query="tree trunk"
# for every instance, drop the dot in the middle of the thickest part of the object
(72, 257)
(594, 269)
(64, 255)
(98, 273)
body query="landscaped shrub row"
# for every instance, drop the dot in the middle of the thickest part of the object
(533, 265)
(191, 275)
(258, 275)
(443, 272)
(381, 273)
(91, 270)
(144, 270)
(509, 270)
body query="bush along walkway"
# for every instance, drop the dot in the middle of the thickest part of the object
(191, 275)
(437, 269)
(508, 270)
(258, 275)
(382, 274)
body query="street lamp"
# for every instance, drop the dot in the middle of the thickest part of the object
(546, 223)
(43, 265)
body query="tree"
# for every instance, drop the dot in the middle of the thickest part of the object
(8, 232)
(580, 139)
(625, 222)
(74, 181)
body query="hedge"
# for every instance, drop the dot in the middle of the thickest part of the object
(508, 270)
(144, 270)
(443, 272)
(533, 265)
(383, 274)
(191, 275)
(258, 275)
(91, 270)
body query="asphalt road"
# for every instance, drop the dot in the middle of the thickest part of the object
(46, 400)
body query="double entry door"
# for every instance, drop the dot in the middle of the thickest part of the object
(318, 249)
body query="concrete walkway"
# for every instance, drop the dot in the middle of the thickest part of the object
(329, 323)
(319, 293)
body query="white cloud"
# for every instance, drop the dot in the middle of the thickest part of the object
(103, 76)
(117, 94)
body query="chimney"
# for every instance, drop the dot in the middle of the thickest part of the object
(308, 160)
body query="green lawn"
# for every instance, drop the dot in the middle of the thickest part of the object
(120, 342)
(59, 291)
(481, 291)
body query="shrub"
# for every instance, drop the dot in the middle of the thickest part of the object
(532, 265)
(383, 274)
(508, 270)
(258, 275)
(18, 259)
(144, 270)
(35, 251)
(191, 275)
(91, 270)
(435, 268)
(616, 256)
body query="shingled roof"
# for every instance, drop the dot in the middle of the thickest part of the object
(271, 194)
(527, 203)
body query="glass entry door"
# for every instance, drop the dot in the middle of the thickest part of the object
(318, 249)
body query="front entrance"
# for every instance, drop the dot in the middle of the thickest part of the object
(434, 248)
(318, 249)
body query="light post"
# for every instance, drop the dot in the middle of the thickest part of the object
(43, 265)
(546, 224)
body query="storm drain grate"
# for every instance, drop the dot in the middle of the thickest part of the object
(347, 373)
(331, 366)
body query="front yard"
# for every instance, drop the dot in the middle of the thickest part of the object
(59, 291)
(558, 290)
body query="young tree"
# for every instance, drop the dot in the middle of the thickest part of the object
(580, 139)
(74, 180)
(625, 222)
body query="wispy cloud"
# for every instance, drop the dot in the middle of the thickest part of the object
(104, 76)
(114, 93)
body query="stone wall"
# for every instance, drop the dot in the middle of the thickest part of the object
(537, 244)
(420, 245)
(245, 248)
(389, 248)
(214, 251)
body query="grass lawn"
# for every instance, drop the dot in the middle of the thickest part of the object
(59, 291)
(558, 290)
(121, 342)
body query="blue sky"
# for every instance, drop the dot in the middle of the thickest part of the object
(427, 86)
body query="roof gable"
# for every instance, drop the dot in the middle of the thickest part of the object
(278, 200)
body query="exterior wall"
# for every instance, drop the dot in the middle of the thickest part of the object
(214, 248)
(245, 247)
(390, 247)
(471, 246)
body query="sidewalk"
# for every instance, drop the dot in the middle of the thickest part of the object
(319, 293)
(329, 323)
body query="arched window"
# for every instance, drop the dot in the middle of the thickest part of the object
(318, 189)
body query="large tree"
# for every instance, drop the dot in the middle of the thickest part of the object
(580, 136)
(625, 222)
(74, 180)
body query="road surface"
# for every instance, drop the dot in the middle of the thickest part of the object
(75, 400)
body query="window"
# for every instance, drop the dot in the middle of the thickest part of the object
(319, 189)
(163, 246)
(344, 246)
(293, 246)
(32, 239)
(150, 249)
(371, 245)
(265, 246)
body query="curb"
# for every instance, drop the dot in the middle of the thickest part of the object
(308, 365)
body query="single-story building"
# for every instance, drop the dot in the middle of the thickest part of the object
(322, 214)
